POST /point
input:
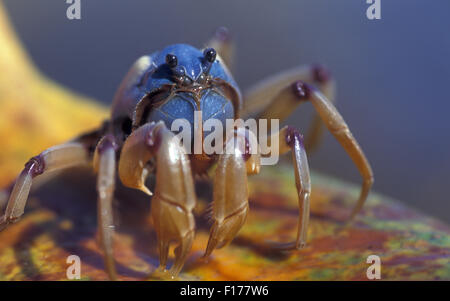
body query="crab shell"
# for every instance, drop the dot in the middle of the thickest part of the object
(144, 94)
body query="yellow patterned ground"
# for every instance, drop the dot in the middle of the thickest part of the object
(35, 113)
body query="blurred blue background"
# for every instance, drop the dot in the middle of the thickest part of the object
(392, 74)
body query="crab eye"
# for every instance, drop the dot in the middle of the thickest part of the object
(186, 81)
(210, 54)
(171, 60)
(179, 71)
(201, 79)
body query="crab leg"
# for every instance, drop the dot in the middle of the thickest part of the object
(105, 165)
(230, 204)
(55, 158)
(337, 126)
(174, 197)
(221, 41)
(300, 91)
(290, 139)
(262, 100)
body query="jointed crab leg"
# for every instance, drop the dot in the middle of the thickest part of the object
(302, 91)
(263, 99)
(337, 126)
(230, 206)
(222, 43)
(174, 197)
(105, 165)
(55, 158)
(290, 139)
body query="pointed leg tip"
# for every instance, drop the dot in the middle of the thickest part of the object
(145, 190)
(4, 222)
(301, 245)
(209, 249)
(173, 274)
(282, 246)
(352, 217)
(112, 275)
(212, 245)
(161, 273)
(349, 222)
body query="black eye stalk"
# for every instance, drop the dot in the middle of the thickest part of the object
(178, 71)
(209, 57)
(210, 54)
(171, 60)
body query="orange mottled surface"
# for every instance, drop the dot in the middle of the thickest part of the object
(60, 218)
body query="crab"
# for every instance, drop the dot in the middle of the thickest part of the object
(136, 141)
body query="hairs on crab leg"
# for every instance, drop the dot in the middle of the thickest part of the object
(174, 197)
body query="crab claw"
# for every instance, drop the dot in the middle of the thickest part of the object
(135, 155)
(174, 199)
(230, 207)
